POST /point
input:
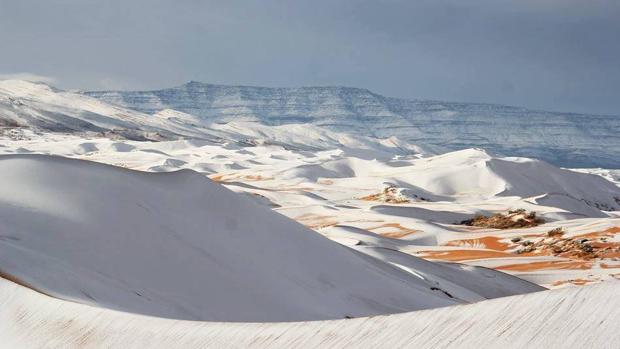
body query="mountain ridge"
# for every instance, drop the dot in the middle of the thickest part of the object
(344, 87)
(565, 139)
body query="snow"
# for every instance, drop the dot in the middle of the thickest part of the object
(178, 245)
(192, 109)
(304, 217)
(324, 189)
(47, 109)
(38, 105)
(584, 317)
(562, 139)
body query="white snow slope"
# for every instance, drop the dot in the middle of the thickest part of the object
(178, 245)
(36, 105)
(583, 317)
(42, 108)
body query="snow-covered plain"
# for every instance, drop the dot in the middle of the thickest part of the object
(96, 234)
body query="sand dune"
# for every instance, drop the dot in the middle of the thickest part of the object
(178, 245)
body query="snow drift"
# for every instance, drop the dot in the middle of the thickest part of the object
(577, 317)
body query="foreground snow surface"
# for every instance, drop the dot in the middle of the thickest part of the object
(584, 317)
(181, 246)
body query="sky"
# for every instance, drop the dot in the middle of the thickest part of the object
(561, 55)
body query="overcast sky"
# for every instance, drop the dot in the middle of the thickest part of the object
(546, 54)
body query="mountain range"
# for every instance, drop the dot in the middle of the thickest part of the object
(564, 139)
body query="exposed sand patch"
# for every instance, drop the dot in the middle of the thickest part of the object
(256, 178)
(609, 266)
(576, 282)
(316, 221)
(217, 177)
(576, 252)
(400, 231)
(545, 265)
(487, 242)
(228, 177)
(463, 255)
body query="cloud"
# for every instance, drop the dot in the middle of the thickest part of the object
(544, 54)
(29, 77)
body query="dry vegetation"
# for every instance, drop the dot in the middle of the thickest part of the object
(583, 247)
(389, 194)
(510, 220)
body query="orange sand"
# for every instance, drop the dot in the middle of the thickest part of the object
(490, 242)
(399, 233)
(464, 255)
(577, 282)
(315, 221)
(570, 264)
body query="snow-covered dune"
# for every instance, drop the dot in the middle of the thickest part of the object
(584, 317)
(473, 172)
(178, 245)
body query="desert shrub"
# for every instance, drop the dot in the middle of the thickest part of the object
(513, 219)
(555, 232)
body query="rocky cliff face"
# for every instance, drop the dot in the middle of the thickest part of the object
(565, 139)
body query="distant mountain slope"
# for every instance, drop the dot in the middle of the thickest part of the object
(565, 139)
(42, 108)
